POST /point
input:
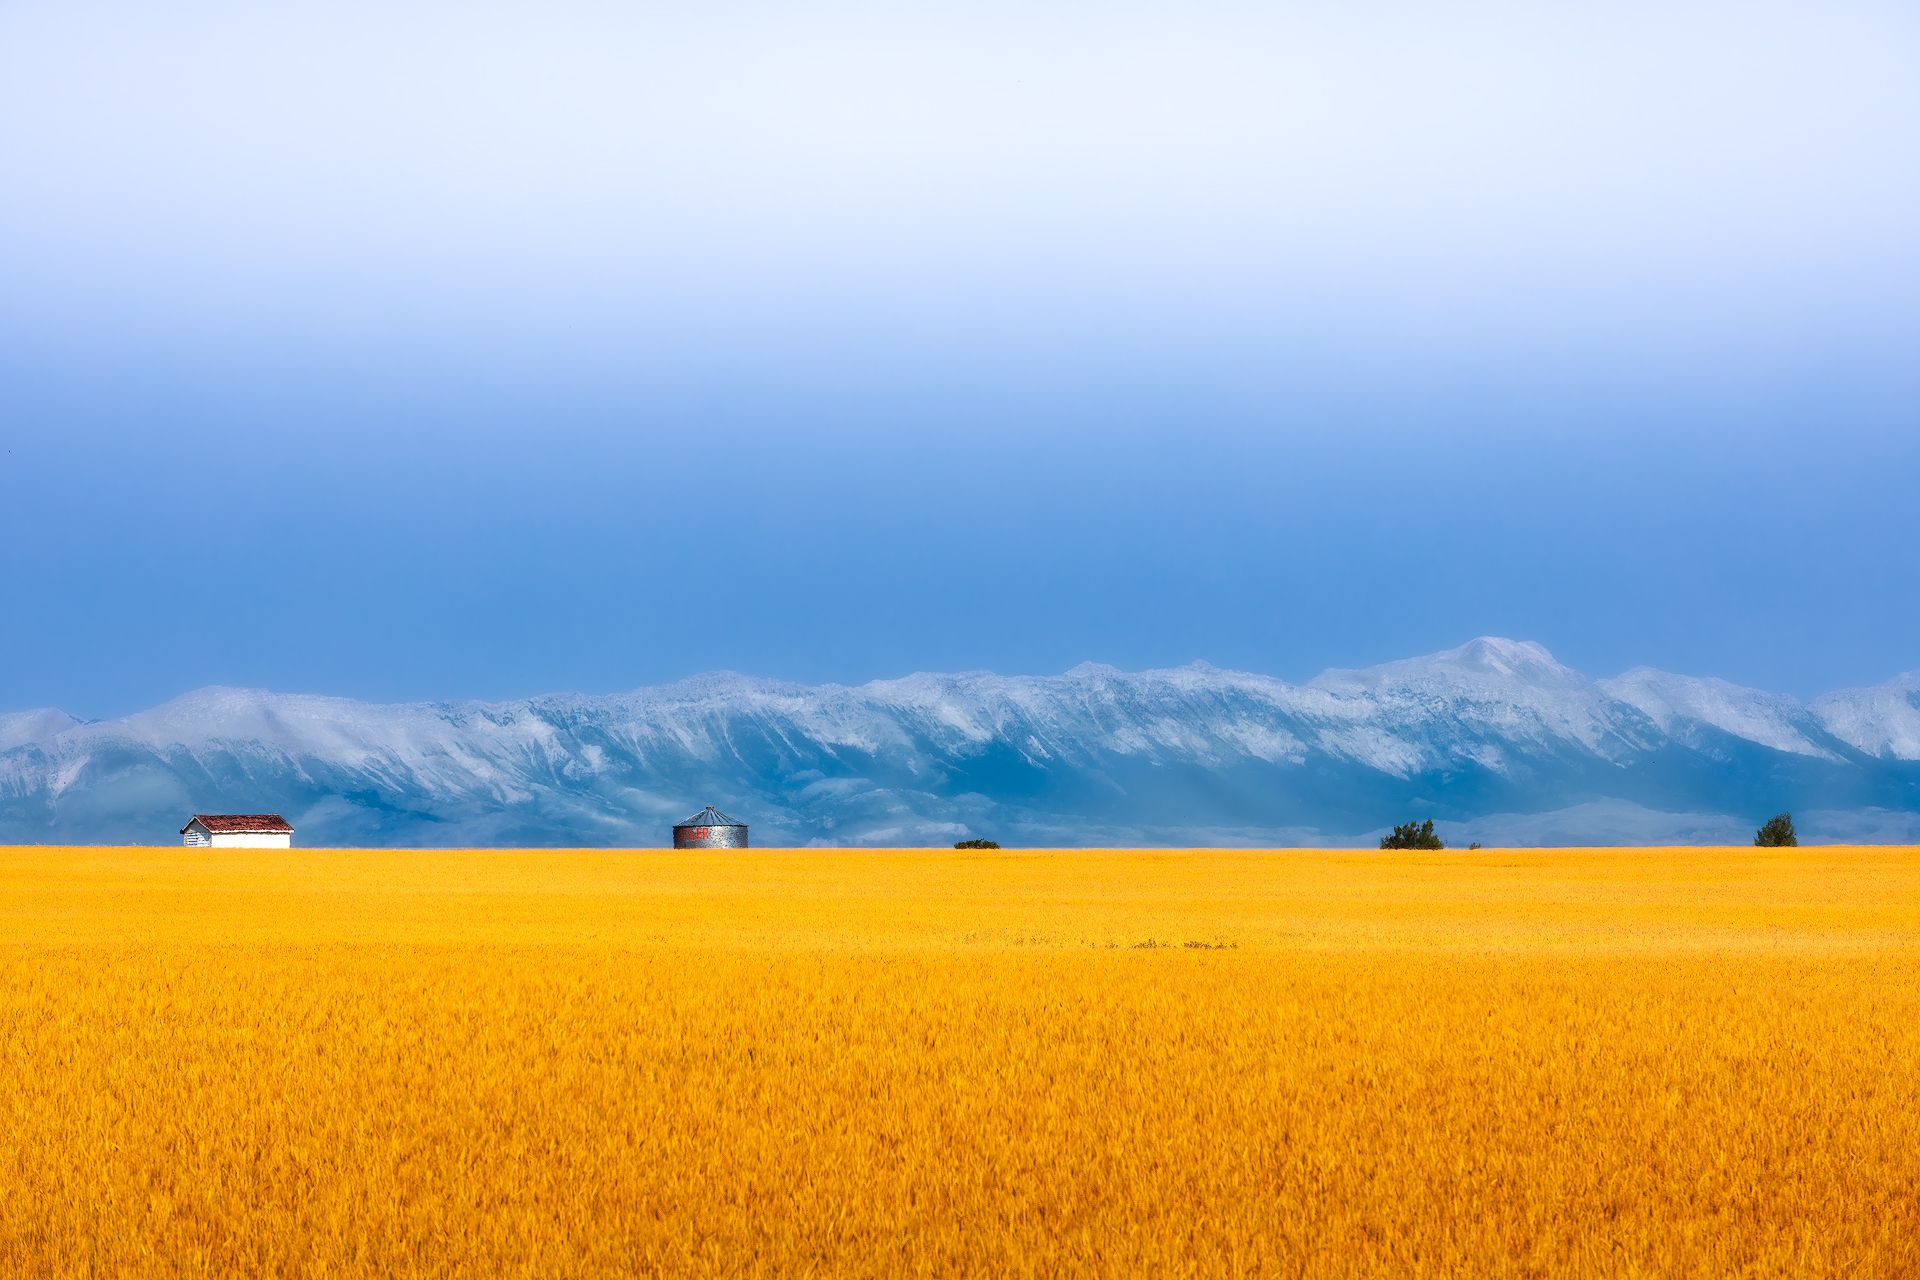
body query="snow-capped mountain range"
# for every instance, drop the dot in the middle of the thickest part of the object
(1495, 739)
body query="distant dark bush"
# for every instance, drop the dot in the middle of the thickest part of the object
(1778, 833)
(1474, 845)
(1413, 835)
(976, 844)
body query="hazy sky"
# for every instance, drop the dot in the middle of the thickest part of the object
(489, 349)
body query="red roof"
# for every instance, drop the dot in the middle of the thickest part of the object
(267, 823)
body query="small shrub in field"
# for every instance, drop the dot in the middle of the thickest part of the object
(976, 844)
(1778, 833)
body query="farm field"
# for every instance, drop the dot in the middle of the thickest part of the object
(1672, 1062)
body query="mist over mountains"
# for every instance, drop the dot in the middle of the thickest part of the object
(1495, 739)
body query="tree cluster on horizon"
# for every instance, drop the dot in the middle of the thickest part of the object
(1413, 835)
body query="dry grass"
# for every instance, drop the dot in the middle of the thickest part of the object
(1660, 1062)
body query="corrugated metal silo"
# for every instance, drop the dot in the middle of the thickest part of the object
(710, 829)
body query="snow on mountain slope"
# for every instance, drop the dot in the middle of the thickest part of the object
(1195, 752)
(444, 748)
(18, 728)
(1882, 721)
(1675, 703)
(1477, 701)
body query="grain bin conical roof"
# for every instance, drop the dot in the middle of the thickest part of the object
(709, 817)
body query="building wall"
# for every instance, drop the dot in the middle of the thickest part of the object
(195, 835)
(250, 840)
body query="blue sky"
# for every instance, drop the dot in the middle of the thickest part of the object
(494, 349)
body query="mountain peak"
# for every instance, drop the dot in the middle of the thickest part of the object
(19, 728)
(707, 685)
(1881, 720)
(215, 693)
(1673, 701)
(1501, 656)
(1488, 659)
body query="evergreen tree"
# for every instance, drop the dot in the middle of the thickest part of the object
(1413, 835)
(1778, 833)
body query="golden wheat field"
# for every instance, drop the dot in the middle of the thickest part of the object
(1675, 1062)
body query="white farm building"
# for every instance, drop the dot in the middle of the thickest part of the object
(238, 831)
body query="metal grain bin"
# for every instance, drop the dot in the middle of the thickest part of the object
(709, 829)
